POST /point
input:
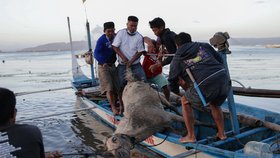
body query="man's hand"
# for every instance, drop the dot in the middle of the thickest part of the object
(129, 63)
(162, 51)
(183, 84)
(125, 61)
(154, 67)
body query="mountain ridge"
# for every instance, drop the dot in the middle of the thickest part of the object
(83, 45)
(254, 41)
(57, 46)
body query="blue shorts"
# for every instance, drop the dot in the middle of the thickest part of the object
(159, 80)
(137, 71)
(214, 93)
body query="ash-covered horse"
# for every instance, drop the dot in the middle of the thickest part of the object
(144, 115)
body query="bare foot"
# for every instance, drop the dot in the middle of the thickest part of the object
(221, 136)
(118, 110)
(121, 110)
(115, 111)
(187, 139)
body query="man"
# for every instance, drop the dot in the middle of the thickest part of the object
(129, 46)
(27, 137)
(154, 76)
(208, 70)
(107, 71)
(165, 37)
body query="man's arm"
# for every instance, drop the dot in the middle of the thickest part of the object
(148, 40)
(169, 43)
(119, 52)
(173, 77)
(98, 52)
(140, 50)
(134, 58)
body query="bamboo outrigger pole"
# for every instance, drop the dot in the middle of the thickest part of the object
(90, 50)
(231, 102)
(89, 46)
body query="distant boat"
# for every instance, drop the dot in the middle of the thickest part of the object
(272, 46)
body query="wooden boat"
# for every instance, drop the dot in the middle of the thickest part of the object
(254, 125)
(251, 131)
(272, 46)
(257, 129)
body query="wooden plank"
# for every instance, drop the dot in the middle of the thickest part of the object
(256, 92)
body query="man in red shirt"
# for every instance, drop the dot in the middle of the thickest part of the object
(154, 74)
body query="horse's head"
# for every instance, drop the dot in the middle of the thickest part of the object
(119, 145)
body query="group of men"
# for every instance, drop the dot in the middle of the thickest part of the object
(127, 46)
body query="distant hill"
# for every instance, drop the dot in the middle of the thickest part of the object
(57, 46)
(82, 45)
(254, 41)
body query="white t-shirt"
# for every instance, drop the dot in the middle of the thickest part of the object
(129, 44)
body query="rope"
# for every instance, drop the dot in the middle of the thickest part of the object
(75, 68)
(238, 83)
(158, 143)
(40, 91)
(56, 114)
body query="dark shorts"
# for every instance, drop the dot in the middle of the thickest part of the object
(214, 92)
(137, 70)
(108, 79)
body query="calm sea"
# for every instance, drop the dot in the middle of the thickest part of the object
(255, 67)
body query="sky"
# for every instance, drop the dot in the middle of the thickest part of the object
(28, 23)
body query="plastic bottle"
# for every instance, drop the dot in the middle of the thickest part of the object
(257, 149)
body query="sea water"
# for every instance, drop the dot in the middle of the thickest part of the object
(73, 133)
(255, 67)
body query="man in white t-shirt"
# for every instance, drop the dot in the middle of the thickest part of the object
(129, 46)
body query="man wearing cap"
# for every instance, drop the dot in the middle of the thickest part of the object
(129, 45)
(107, 72)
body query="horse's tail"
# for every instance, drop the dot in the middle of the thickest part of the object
(129, 75)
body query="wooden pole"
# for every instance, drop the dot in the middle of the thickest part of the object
(245, 119)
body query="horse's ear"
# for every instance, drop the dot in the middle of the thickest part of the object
(106, 136)
(102, 147)
(105, 141)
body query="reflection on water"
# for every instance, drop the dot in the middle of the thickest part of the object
(76, 134)
(93, 133)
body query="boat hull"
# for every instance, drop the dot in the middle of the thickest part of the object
(166, 148)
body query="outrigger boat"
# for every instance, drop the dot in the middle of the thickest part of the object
(251, 132)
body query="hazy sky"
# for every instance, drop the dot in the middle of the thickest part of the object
(26, 23)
